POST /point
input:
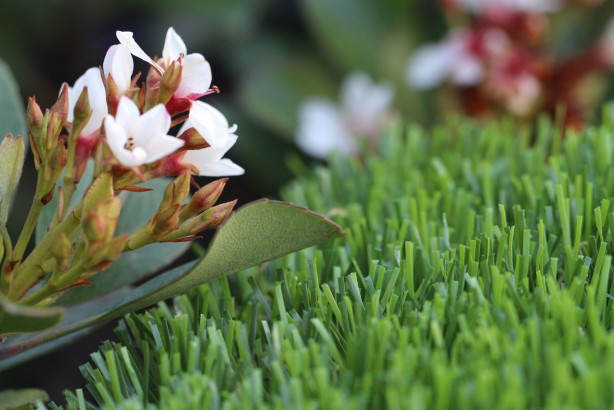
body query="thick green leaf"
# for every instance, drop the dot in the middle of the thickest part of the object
(256, 233)
(12, 114)
(137, 209)
(12, 155)
(21, 398)
(273, 93)
(23, 319)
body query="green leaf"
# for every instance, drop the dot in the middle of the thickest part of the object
(273, 93)
(12, 114)
(21, 398)
(24, 319)
(258, 232)
(12, 154)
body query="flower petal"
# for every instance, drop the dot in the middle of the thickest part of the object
(156, 121)
(431, 64)
(364, 102)
(160, 146)
(195, 76)
(97, 99)
(210, 123)
(221, 168)
(118, 62)
(117, 137)
(322, 129)
(127, 39)
(127, 112)
(174, 47)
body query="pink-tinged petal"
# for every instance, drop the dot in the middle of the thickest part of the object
(160, 146)
(156, 121)
(174, 47)
(195, 76)
(210, 123)
(127, 112)
(322, 129)
(97, 99)
(432, 64)
(118, 63)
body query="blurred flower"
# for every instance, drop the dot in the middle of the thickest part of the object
(196, 72)
(137, 139)
(499, 62)
(498, 6)
(213, 127)
(324, 126)
(458, 59)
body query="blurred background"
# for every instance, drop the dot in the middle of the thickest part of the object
(268, 57)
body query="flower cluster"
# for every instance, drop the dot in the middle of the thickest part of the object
(500, 61)
(134, 121)
(121, 127)
(325, 126)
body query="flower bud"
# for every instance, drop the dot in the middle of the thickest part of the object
(34, 114)
(54, 127)
(152, 88)
(62, 106)
(82, 111)
(36, 125)
(193, 140)
(166, 219)
(170, 81)
(211, 218)
(113, 95)
(203, 199)
(99, 223)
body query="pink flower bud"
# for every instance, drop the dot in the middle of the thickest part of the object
(204, 198)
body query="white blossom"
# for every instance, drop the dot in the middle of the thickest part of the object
(213, 127)
(325, 126)
(136, 139)
(196, 71)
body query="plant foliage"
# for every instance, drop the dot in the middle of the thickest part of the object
(476, 273)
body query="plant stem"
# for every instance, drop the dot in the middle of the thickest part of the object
(28, 229)
(5, 278)
(28, 272)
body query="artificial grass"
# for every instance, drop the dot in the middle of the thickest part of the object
(476, 273)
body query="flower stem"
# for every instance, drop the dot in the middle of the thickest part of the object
(26, 273)
(6, 277)
(28, 229)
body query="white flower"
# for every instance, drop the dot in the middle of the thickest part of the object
(196, 72)
(97, 97)
(118, 63)
(432, 64)
(526, 6)
(213, 127)
(137, 139)
(324, 126)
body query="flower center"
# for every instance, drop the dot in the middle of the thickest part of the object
(129, 145)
